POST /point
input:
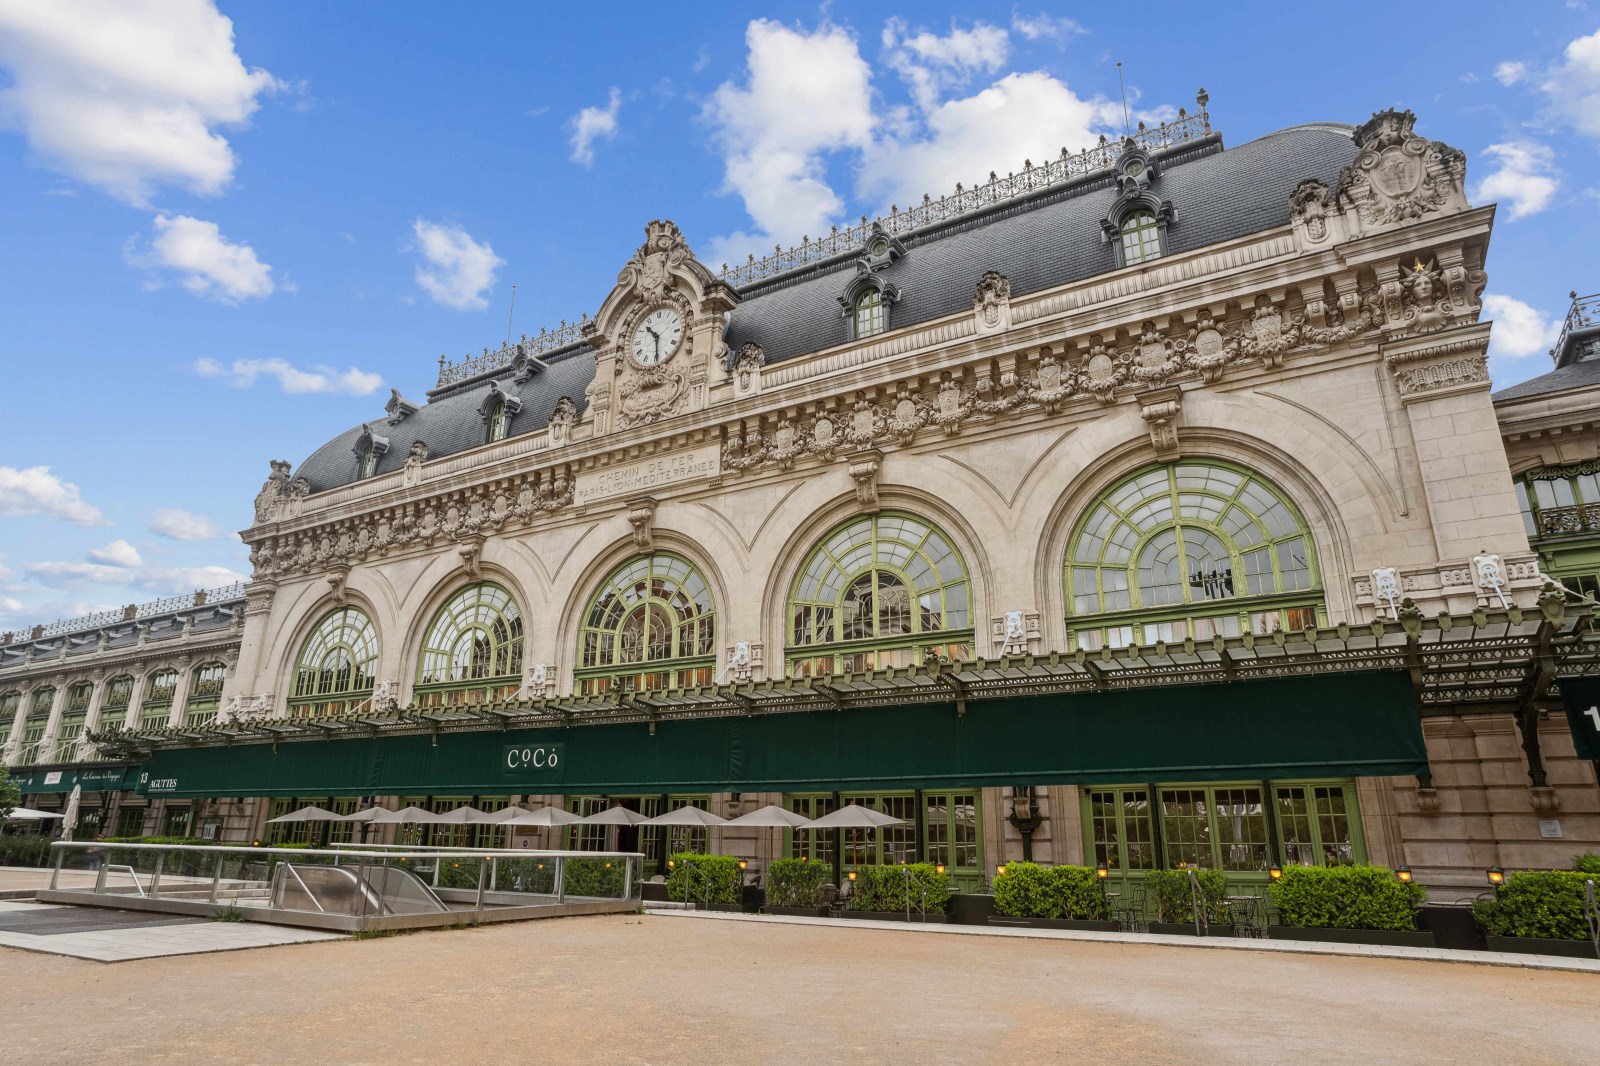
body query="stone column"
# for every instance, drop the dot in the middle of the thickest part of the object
(58, 702)
(180, 695)
(91, 719)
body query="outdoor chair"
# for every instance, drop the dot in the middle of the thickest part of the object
(1129, 909)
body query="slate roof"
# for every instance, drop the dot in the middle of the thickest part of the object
(1051, 239)
(1572, 376)
(208, 618)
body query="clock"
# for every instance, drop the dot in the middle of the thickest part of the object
(657, 337)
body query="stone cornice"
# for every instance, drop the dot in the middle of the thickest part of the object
(132, 659)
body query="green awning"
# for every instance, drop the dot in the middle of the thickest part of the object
(96, 779)
(1336, 725)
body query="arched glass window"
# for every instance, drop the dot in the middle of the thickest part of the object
(369, 460)
(337, 663)
(156, 705)
(33, 725)
(878, 592)
(9, 702)
(1198, 549)
(473, 650)
(73, 714)
(652, 626)
(114, 704)
(1141, 237)
(499, 421)
(205, 694)
(869, 317)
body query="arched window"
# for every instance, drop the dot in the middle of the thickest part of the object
(369, 460)
(73, 715)
(877, 592)
(33, 726)
(114, 704)
(473, 650)
(205, 694)
(498, 421)
(652, 626)
(869, 316)
(156, 704)
(1197, 549)
(9, 702)
(1140, 235)
(334, 672)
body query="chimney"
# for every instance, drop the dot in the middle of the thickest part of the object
(130, 612)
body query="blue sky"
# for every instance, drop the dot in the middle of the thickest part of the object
(229, 232)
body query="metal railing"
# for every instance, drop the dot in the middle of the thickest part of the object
(1584, 314)
(911, 879)
(1591, 912)
(1197, 898)
(546, 340)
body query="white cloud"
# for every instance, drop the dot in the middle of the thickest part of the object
(208, 263)
(1029, 116)
(931, 65)
(162, 580)
(243, 373)
(36, 491)
(458, 270)
(1519, 330)
(774, 131)
(1573, 85)
(1527, 177)
(594, 124)
(175, 524)
(117, 553)
(1510, 72)
(127, 94)
(1045, 27)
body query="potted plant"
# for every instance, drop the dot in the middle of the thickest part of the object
(798, 887)
(1540, 912)
(710, 882)
(1348, 905)
(1051, 897)
(900, 893)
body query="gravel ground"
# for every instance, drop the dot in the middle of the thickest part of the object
(636, 989)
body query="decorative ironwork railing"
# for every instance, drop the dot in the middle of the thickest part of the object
(546, 340)
(997, 190)
(197, 598)
(1584, 314)
(1561, 521)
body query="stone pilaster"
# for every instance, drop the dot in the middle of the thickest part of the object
(180, 695)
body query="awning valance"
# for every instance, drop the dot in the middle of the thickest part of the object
(93, 779)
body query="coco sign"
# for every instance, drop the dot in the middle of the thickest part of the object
(533, 760)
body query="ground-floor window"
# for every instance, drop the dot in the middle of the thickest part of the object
(175, 821)
(130, 822)
(936, 827)
(647, 839)
(1243, 828)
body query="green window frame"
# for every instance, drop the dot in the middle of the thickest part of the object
(869, 313)
(1196, 548)
(33, 726)
(369, 461)
(499, 422)
(1225, 826)
(472, 652)
(652, 626)
(205, 694)
(1141, 237)
(114, 704)
(73, 715)
(945, 830)
(155, 706)
(1560, 501)
(335, 670)
(9, 702)
(130, 820)
(879, 591)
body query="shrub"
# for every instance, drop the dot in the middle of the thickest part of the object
(1028, 890)
(1587, 863)
(1175, 901)
(1547, 904)
(886, 888)
(719, 873)
(600, 878)
(1346, 897)
(796, 883)
(25, 849)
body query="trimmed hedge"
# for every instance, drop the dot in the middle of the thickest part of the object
(1587, 863)
(1028, 890)
(720, 872)
(24, 849)
(797, 883)
(1175, 900)
(1346, 897)
(1545, 904)
(886, 888)
(592, 877)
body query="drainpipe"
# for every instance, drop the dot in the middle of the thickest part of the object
(1025, 817)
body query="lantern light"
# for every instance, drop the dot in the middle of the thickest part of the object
(939, 868)
(851, 875)
(1497, 876)
(1000, 871)
(1275, 872)
(1102, 871)
(1404, 874)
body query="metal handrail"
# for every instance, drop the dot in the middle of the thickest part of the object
(133, 874)
(1591, 911)
(312, 896)
(910, 877)
(1197, 898)
(690, 867)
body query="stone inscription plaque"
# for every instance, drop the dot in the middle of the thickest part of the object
(647, 475)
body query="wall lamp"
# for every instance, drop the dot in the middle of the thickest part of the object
(1275, 872)
(1000, 871)
(1404, 874)
(1497, 876)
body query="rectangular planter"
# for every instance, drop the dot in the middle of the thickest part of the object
(970, 908)
(800, 912)
(734, 908)
(1391, 938)
(1527, 945)
(1086, 925)
(897, 916)
(1187, 929)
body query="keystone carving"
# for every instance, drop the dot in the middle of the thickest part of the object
(642, 516)
(864, 468)
(1160, 410)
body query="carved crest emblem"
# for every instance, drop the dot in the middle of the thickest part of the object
(653, 277)
(1396, 173)
(1102, 368)
(822, 432)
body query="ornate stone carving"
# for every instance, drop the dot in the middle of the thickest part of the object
(650, 394)
(1016, 632)
(411, 473)
(1398, 176)
(1160, 410)
(747, 369)
(1472, 370)
(864, 468)
(471, 552)
(279, 496)
(991, 304)
(1267, 336)
(399, 408)
(642, 516)
(562, 419)
(1312, 210)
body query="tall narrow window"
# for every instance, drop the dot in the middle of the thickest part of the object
(652, 626)
(369, 460)
(205, 694)
(114, 704)
(499, 421)
(473, 650)
(1141, 237)
(33, 726)
(9, 702)
(156, 705)
(70, 728)
(869, 312)
(334, 672)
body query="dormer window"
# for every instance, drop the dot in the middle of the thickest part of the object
(498, 421)
(1140, 235)
(869, 313)
(496, 410)
(369, 447)
(369, 460)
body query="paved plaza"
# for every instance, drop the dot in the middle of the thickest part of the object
(657, 989)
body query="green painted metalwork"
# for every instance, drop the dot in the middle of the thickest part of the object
(473, 649)
(1329, 726)
(871, 594)
(337, 662)
(1141, 237)
(651, 627)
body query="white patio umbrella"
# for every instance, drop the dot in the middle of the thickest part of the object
(544, 816)
(459, 816)
(774, 817)
(27, 814)
(69, 820)
(614, 816)
(686, 816)
(365, 815)
(853, 816)
(307, 814)
(500, 817)
(405, 816)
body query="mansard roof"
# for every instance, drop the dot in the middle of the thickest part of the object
(1049, 239)
(1583, 375)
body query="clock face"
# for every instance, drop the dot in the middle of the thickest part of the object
(657, 337)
